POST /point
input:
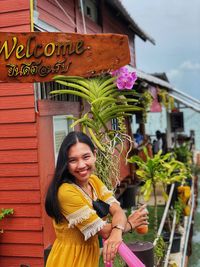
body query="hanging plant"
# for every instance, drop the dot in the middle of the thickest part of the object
(146, 102)
(111, 96)
(165, 99)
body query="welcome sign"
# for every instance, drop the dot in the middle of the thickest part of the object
(38, 56)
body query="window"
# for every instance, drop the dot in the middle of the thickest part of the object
(91, 10)
(61, 127)
(42, 91)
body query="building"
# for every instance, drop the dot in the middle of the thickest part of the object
(32, 125)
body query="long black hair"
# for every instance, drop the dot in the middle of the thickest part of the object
(62, 174)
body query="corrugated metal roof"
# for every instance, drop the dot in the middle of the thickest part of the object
(178, 95)
(132, 24)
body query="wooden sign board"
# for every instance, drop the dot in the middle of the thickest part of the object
(39, 56)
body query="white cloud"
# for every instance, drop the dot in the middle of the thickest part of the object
(188, 65)
(173, 73)
(182, 68)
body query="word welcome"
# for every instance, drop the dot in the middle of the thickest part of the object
(39, 50)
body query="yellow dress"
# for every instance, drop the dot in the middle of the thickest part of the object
(76, 243)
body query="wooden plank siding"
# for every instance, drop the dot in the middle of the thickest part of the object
(19, 89)
(22, 240)
(18, 130)
(113, 23)
(22, 237)
(28, 210)
(18, 156)
(17, 261)
(18, 143)
(17, 102)
(52, 14)
(15, 170)
(18, 18)
(14, 6)
(21, 250)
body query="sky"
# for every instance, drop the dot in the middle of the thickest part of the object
(175, 27)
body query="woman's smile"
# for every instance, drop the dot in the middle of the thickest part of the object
(81, 162)
(83, 172)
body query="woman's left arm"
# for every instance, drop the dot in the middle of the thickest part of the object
(114, 232)
(119, 218)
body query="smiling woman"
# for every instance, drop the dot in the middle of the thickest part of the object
(70, 202)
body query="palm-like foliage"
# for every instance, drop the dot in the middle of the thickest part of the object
(105, 100)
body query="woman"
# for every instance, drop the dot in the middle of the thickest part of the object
(69, 203)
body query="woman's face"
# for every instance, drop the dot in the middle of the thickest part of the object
(81, 162)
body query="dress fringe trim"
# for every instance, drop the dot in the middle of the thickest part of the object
(105, 191)
(79, 216)
(93, 228)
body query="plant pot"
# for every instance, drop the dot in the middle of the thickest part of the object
(129, 197)
(176, 243)
(144, 251)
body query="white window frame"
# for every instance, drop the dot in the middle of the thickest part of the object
(92, 5)
(65, 129)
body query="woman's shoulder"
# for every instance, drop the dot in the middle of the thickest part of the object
(95, 179)
(98, 184)
(66, 188)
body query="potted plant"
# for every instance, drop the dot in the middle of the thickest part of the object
(157, 170)
(183, 153)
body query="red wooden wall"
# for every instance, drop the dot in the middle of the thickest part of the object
(22, 240)
(113, 23)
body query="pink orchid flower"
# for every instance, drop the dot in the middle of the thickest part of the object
(125, 79)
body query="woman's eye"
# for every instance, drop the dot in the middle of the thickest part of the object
(86, 157)
(72, 161)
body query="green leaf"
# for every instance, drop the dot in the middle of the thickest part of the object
(106, 83)
(70, 92)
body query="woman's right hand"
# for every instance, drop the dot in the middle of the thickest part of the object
(139, 217)
(111, 245)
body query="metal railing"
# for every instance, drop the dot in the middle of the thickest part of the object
(187, 227)
(184, 251)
